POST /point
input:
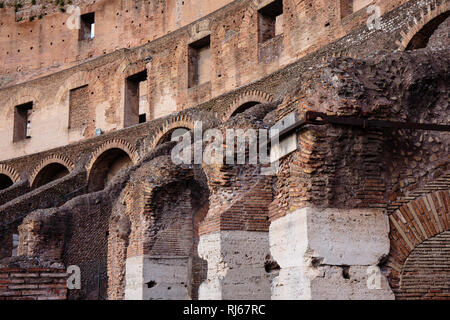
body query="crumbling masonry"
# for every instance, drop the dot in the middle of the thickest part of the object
(92, 93)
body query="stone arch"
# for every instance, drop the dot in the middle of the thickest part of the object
(423, 28)
(412, 225)
(107, 161)
(8, 176)
(179, 206)
(169, 126)
(162, 213)
(245, 101)
(50, 169)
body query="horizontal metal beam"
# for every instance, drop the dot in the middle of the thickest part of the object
(320, 118)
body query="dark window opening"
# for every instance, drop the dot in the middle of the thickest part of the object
(199, 69)
(270, 21)
(132, 98)
(22, 123)
(87, 26)
(5, 182)
(49, 173)
(142, 118)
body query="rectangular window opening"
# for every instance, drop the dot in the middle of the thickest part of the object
(78, 107)
(22, 122)
(142, 118)
(199, 69)
(132, 98)
(351, 6)
(270, 21)
(87, 26)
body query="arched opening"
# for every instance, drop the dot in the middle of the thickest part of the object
(244, 107)
(49, 173)
(106, 167)
(172, 135)
(174, 269)
(421, 38)
(426, 272)
(5, 182)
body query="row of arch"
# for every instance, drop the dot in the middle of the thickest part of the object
(56, 167)
(115, 157)
(106, 161)
(112, 156)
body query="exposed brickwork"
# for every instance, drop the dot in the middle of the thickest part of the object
(124, 198)
(33, 284)
(426, 273)
(78, 107)
(411, 225)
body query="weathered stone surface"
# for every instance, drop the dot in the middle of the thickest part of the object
(310, 244)
(235, 265)
(84, 182)
(158, 278)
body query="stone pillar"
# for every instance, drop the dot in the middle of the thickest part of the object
(330, 254)
(158, 278)
(235, 265)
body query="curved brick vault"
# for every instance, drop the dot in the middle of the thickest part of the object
(170, 125)
(246, 98)
(111, 156)
(426, 17)
(56, 159)
(10, 172)
(411, 225)
(113, 144)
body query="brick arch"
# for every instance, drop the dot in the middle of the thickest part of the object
(23, 96)
(113, 144)
(426, 16)
(10, 172)
(130, 69)
(179, 199)
(77, 80)
(63, 160)
(246, 97)
(412, 224)
(106, 159)
(169, 125)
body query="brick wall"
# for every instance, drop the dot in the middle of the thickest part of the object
(79, 107)
(426, 273)
(33, 284)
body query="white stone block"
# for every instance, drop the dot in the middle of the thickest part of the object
(158, 278)
(235, 265)
(313, 246)
(287, 144)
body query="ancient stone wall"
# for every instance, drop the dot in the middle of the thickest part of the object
(28, 280)
(166, 63)
(348, 203)
(43, 38)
